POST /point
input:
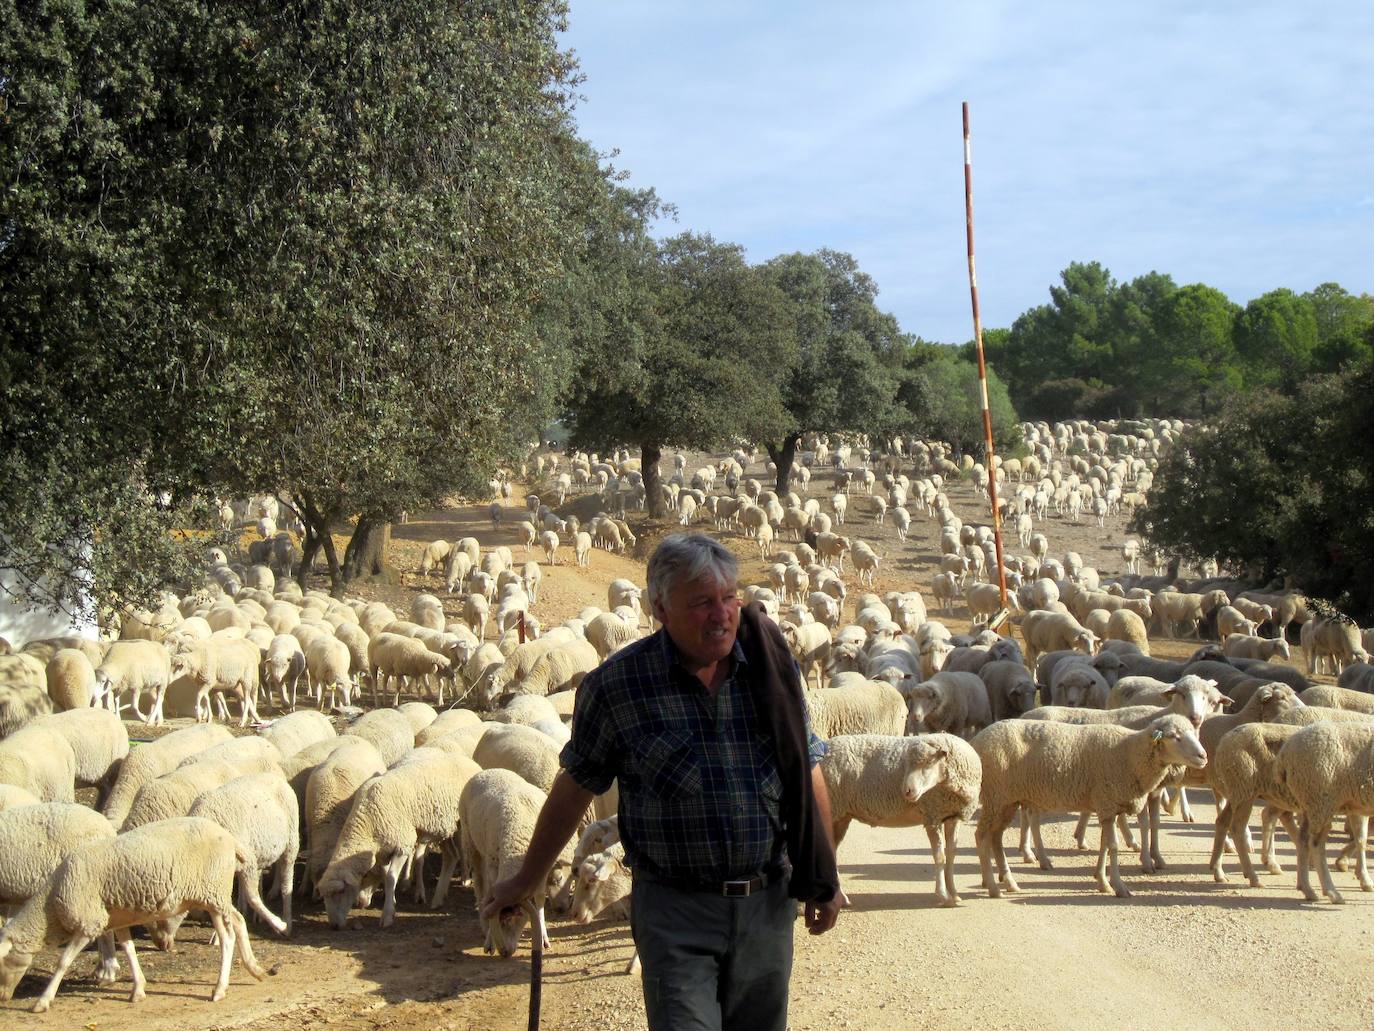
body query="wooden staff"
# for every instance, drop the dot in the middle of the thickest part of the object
(998, 619)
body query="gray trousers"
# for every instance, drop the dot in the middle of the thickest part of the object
(712, 963)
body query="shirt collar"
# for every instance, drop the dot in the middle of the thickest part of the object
(672, 657)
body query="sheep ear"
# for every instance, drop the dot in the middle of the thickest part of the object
(1169, 692)
(939, 752)
(1227, 701)
(1157, 736)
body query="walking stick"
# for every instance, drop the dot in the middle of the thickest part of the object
(536, 965)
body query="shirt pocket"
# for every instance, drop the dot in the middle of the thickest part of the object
(770, 794)
(667, 764)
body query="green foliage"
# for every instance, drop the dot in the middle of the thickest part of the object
(292, 247)
(1276, 337)
(1279, 483)
(951, 402)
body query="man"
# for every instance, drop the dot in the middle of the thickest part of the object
(723, 812)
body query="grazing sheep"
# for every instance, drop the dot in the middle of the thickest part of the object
(328, 667)
(221, 666)
(1058, 767)
(261, 812)
(388, 730)
(173, 794)
(1247, 646)
(149, 761)
(284, 667)
(411, 804)
(329, 793)
(407, 661)
(608, 633)
(1328, 769)
(434, 553)
(98, 740)
(155, 873)
(298, 730)
(497, 813)
(602, 884)
(521, 749)
(1055, 631)
(931, 780)
(1336, 640)
(1125, 625)
(949, 702)
(560, 668)
(1338, 698)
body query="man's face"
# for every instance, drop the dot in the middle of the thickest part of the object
(701, 616)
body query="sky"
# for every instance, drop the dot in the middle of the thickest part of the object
(1225, 143)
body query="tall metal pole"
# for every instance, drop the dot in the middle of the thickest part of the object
(983, 374)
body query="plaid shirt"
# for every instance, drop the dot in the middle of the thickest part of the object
(700, 794)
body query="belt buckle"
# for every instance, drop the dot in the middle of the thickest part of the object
(737, 889)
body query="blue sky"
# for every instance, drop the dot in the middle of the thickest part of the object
(1224, 143)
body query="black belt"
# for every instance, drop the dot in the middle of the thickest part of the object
(736, 888)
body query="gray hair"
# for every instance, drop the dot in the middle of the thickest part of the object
(683, 557)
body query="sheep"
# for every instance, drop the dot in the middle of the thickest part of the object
(596, 837)
(261, 812)
(283, 668)
(1126, 625)
(1054, 631)
(328, 667)
(1056, 767)
(522, 749)
(972, 658)
(405, 659)
(810, 646)
(329, 792)
(388, 730)
(12, 797)
(98, 741)
(71, 679)
(39, 760)
(1338, 698)
(1244, 769)
(221, 665)
(1230, 620)
(410, 805)
(173, 794)
(858, 706)
(944, 587)
(1078, 685)
(1248, 646)
(1336, 639)
(548, 540)
(624, 592)
(1010, 686)
(1328, 769)
(932, 780)
(154, 873)
(602, 885)
(34, 839)
(149, 761)
(1175, 610)
(445, 723)
(560, 668)
(949, 702)
(298, 730)
(434, 553)
(608, 633)
(497, 813)
(136, 667)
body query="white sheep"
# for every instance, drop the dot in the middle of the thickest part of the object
(222, 666)
(602, 884)
(1054, 631)
(298, 730)
(560, 668)
(949, 702)
(12, 797)
(262, 813)
(434, 553)
(498, 810)
(328, 667)
(152, 874)
(173, 794)
(931, 780)
(1243, 770)
(329, 792)
(149, 761)
(1057, 767)
(71, 679)
(34, 839)
(135, 667)
(388, 730)
(1328, 769)
(1129, 626)
(856, 706)
(284, 667)
(1248, 646)
(413, 804)
(407, 661)
(810, 646)
(521, 749)
(98, 741)
(39, 760)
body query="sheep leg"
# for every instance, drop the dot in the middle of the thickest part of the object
(1123, 825)
(951, 829)
(1042, 854)
(72, 949)
(1023, 821)
(1357, 839)
(286, 874)
(108, 971)
(1185, 810)
(1144, 818)
(1080, 832)
(1267, 819)
(1003, 870)
(1304, 860)
(248, 884)
(937, 853)
(1318, 844)
(983, 839)
(1240, 820)
(137, 992)
(1290, 826)
(1225, 815)
(450, 863)
(1153, 805)
(226, 934)
(1109, 850)
(391, 874)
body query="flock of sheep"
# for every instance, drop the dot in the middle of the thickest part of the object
(925, 726)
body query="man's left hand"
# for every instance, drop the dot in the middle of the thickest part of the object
(820, 916)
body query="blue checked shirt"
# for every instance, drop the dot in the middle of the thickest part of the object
(700, 794)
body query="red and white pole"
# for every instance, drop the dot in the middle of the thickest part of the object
(983, 373)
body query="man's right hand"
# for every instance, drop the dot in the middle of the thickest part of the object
(506, 897)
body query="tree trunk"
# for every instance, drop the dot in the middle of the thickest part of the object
(649, 455)
(366, 556)
(317, 536)
(783, 459)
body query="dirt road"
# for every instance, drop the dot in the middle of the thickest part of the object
(1184, 952)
